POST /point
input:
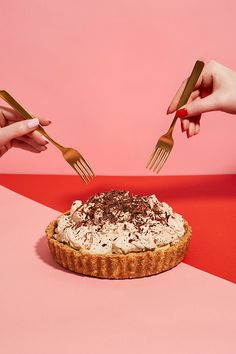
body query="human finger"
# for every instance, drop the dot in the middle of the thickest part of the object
(191, 129)
(194, 126)
(174, 103)
(31, 142)
(38, 138)
(22, 145)
(17, 129)
(13, 116)
(197, 107)
(184, 124)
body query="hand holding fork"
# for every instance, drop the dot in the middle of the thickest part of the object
(166, 142)
(72, 156)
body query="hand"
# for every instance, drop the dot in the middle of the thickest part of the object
(215, 91)
(15, 132)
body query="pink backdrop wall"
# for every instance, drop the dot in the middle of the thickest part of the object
(105, 71)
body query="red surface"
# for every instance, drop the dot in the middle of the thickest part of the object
(207, 202)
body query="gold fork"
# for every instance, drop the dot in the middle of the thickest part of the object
(165, 143)
(72, 156)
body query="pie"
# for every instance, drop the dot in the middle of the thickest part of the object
(118, 235)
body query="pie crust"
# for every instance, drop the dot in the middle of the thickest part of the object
(118, 266)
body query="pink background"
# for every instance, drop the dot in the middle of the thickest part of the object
(105, 71)
(45, 309)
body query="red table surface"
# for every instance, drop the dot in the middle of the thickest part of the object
(208, 203)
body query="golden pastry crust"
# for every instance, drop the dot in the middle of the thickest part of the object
(118, 266)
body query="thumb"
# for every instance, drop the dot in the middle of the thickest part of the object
(17, 130)
(197, 107)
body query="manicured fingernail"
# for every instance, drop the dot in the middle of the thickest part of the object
(181, 113)
(44, 138)
(33, 123)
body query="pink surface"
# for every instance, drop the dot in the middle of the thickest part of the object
(200, 199)
(105, 71)
(46, 309)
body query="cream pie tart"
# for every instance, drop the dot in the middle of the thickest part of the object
(118, 235)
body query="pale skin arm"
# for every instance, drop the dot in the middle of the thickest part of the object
(215, 91)
(19, 133)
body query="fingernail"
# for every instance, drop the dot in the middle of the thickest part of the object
(181, 113)
(32, 123)
(44, 138)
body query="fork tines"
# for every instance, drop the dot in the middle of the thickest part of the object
(158, 158)
(84, 170)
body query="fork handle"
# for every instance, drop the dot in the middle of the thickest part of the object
(192, 80)
(17, 107)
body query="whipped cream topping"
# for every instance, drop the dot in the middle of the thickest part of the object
(118, 222)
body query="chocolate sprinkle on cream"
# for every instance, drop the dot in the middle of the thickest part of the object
(118, 222)
(120, 206)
